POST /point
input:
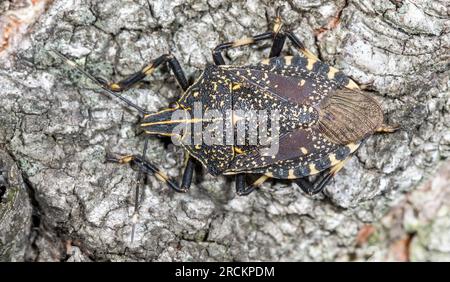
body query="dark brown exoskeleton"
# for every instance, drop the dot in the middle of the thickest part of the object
(324, 117)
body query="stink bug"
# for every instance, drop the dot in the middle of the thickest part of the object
(324, 116)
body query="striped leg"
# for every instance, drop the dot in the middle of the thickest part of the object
(279, 37)
(146, 167)
(242, 189)
(217, 52)
(275, 50)
(131, 80)
(276, 35)
(149, 168)
(317, 186)
(278, 44)
(299, 45)
(385, 128)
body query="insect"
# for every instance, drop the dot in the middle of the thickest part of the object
(323, 115)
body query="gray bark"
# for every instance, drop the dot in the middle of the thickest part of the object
(15, 212)
(58, 129)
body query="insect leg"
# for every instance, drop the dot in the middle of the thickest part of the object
(74, 65)
(277, 45)
(242, 189)
(127, 82)
(241, 186)
(150, 168)
(279, 37)
(131, 80)
(147, 167)
(316, 186)
(188, 173)
(299, 45)
(386, 128)
(217, 52)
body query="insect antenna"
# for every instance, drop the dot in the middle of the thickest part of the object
(74, 65)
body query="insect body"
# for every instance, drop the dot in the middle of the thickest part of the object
(323, 116)
(321, 124)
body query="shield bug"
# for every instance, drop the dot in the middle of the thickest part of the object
(323, 116)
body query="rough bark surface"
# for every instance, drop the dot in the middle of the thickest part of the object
(58, 130)
(15, 211)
